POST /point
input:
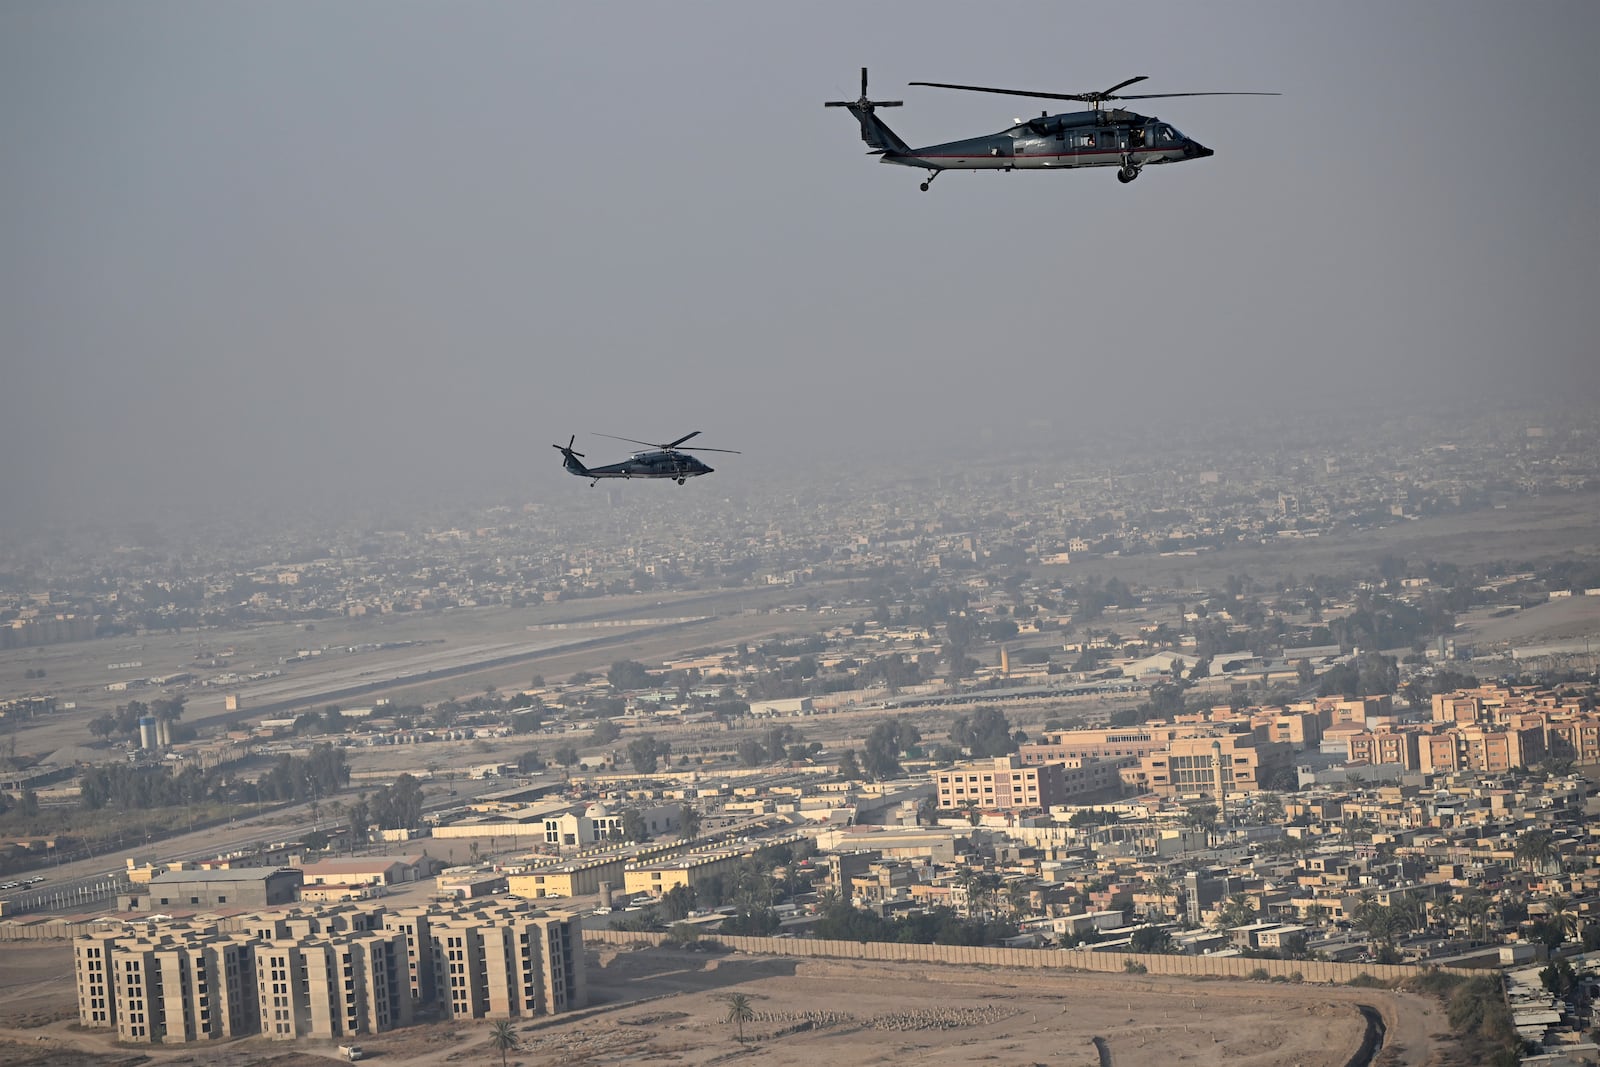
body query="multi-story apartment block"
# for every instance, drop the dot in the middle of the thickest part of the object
(163, 988)
(517, 964)
(331, 987)
(1005, 783)
(1109, 743)
(1387, 745)
(1218, 765)
(331, 975)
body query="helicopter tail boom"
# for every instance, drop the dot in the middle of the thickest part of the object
(876, 133)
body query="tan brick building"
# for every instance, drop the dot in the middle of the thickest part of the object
(1003, 783)
(1215, 765)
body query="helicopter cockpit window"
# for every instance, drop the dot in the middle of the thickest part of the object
(1166, 135)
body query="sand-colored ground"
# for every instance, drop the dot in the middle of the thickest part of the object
(668, 1006)
(1568, 619)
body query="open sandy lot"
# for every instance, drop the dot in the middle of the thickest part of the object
(667, 1006)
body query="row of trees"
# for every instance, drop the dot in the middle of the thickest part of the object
(124, 721)
(121, 786)
(840, 921)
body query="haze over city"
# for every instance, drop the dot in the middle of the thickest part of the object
(299, 253)
(1103, 587)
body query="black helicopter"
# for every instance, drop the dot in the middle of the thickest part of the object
(1098, 137)
(661, 461)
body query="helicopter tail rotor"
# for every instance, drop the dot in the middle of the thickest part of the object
(570, 458)
(879, 137)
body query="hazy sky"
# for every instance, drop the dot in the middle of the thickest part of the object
(281, 247)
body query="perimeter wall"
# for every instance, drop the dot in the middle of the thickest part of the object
(1055, 959)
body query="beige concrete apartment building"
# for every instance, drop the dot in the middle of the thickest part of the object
(1006, 783)
(328, 975)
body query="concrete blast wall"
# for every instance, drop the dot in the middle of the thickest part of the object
(1053, 959)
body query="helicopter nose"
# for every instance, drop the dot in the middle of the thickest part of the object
(1199, 151)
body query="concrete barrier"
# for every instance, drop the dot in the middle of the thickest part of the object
(1319, 971)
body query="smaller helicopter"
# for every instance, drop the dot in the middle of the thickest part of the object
(1098, 137)
(661, 461)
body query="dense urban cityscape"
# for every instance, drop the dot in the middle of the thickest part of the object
(1317, 712)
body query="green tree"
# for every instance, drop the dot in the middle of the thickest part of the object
(1536, 851)
(740, 1011)
(848, 767)
(645, 752)
(676, 903)
(884, 744)
(633, 826)
(1162, 884)
(1559, 978)
(629, 674)
(360, 822)
(1238, 911)
(1151, 939)
(503, 1038)
(985, 733)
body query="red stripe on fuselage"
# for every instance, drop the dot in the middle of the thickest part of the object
(1116, 153)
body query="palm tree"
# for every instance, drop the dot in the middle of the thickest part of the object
(1384, 923)
(1019, 895)
(1238, 911)
(1268, 809)
(1163, 889)
(1474, 908)
(502, 1037)
(1563, 915)
(1412, 910)
(1446, 913)
(739, 1012)
(1536, 850)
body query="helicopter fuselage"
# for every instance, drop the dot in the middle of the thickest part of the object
(661, 463)
(1114, 138)
(657, 464)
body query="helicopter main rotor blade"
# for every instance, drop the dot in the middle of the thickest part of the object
(696, 433)
(703, 448)
(1082, 97)
(630, 440)
(1123, 85)
(1155, 96)
(1087, 98)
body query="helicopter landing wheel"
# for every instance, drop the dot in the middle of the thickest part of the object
(924, 186)
(680, 481)
(1126, 175)
(932, 174)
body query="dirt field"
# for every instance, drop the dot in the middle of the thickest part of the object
(1568, 619)
(656, 1006)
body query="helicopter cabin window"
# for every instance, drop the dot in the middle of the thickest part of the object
(1085, 140)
